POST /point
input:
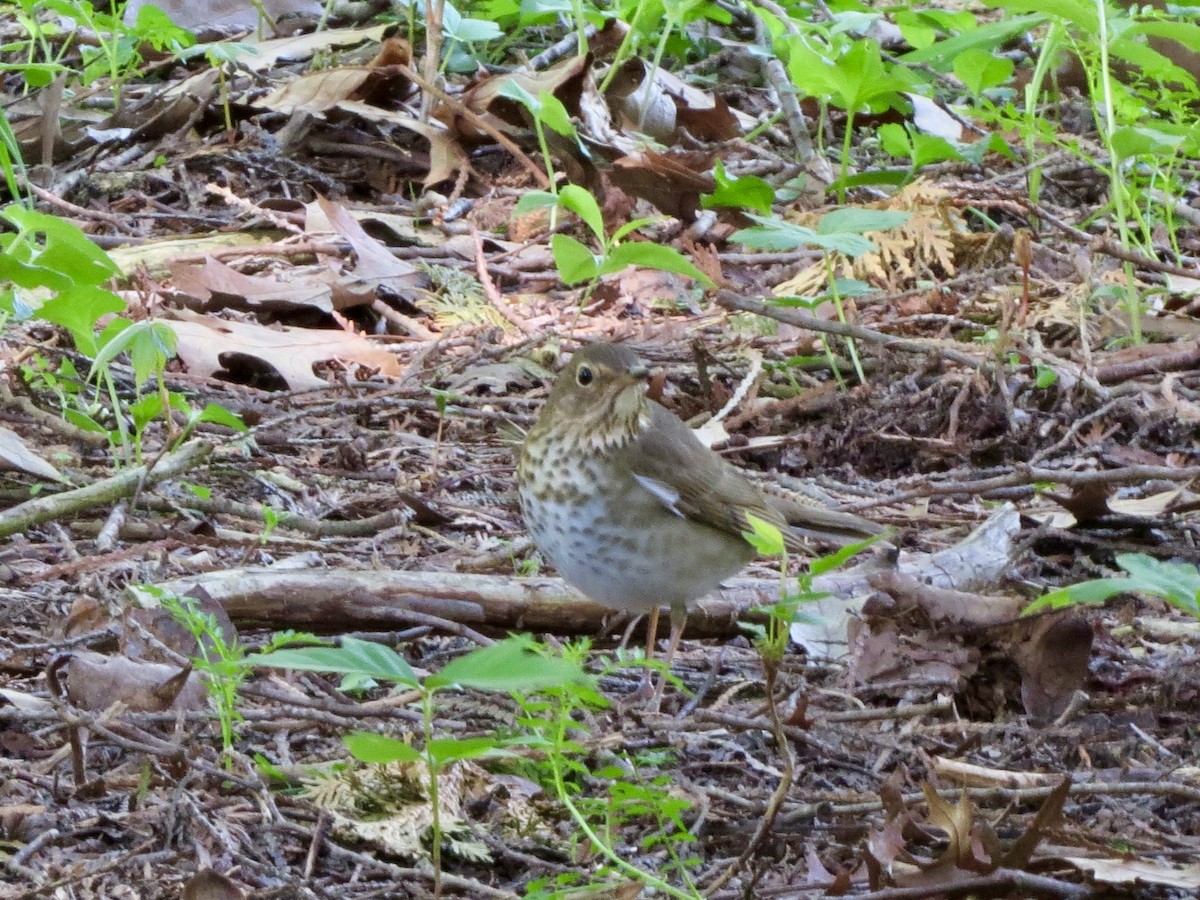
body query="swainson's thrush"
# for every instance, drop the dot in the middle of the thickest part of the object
(631, 508)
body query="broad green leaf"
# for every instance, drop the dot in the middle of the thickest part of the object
(458, 28)
(1145, 140)
(835, 560)
(765, 537)
(575, 262)
(216, 414)
(509, 665)
(631, 226)
(775, 234)
(941, 55)
(584, 205)
(146, 410)
(1081, 13)
(514, 90)
(354, 657)
(444, 750)
(380, 749)
(747, 192)
(856, 220)
(1152, 63)
(77, 309)
(64, 247)
(532, 200)
(1178, 583)
(980, 70)
(652, 256)
(554, 115)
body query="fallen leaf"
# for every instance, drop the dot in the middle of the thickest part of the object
(204, 341)
(15, 454)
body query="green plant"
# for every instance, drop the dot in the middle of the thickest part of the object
(55, 274)
(117, 52)
(1145, 119)
(222, 660)
(513, 665)
(850, 74)
(547, 111)
(1177, 583)
(221, 56)
(552, 725)
(841, 231)
(746, 192)
(577, 264)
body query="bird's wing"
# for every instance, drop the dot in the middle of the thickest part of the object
(692, 481)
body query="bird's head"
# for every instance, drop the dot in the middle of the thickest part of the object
(600, 397)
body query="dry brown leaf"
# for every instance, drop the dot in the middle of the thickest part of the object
(203, 342)
(375, 263)
(446, 155)
(209, 885)
(218, 286)
(15, 454)
(926, 241)
(563, 80)
(269, 53)
(316, 92)
(96, 681)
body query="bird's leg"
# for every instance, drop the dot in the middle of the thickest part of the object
(645, 689)
(678, 619)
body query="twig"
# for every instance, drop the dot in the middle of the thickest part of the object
(730, 300)
(123, 484)
(481, 123)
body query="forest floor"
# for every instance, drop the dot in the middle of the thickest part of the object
(387, 343)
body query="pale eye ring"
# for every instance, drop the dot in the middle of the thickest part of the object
(584, 376)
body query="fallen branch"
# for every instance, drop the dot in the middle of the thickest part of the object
(109, 490)
(730, 300)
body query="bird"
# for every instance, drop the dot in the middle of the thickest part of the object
(624, 500)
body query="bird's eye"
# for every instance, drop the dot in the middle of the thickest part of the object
(584, 376)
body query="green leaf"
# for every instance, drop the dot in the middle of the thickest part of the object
(78, 309)
(379, 749)
(980, 70)
(856, 220)
(64, 249)
(532, 200)
(631, 226)
(837, 558)
(1081, 13)
(468, 31)
(584, 205)
(775, 234)
(575, 262)
(554, 115)
(353, 657)
(150, 345)
(444, 750)
(1145, 140)
(746, 192)
(941, 55)
(216, 414)
(509, 665)
(1045, 377)
(765, 537)
(858, 79)
(1177, 583)
(652, 256)
(145, 411)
